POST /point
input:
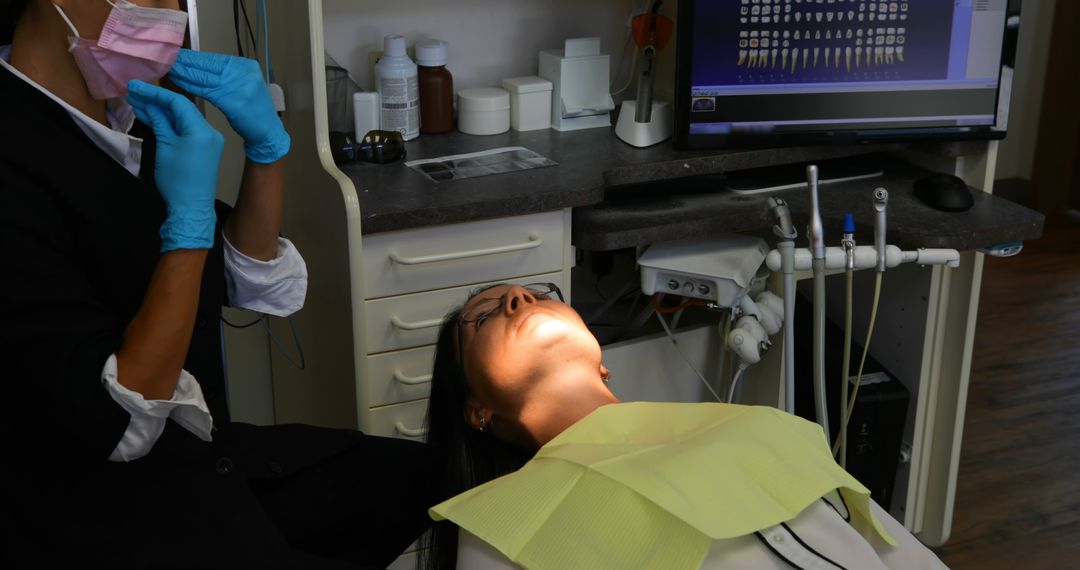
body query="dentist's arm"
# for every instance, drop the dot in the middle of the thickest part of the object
(155, 342)
(236, 87)
(255, 222)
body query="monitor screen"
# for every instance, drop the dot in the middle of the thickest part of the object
(786, 72)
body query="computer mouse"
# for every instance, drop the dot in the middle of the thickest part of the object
(944, 192)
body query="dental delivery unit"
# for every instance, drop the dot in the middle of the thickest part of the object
(729, 273)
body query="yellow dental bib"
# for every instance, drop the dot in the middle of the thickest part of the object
(652, 485)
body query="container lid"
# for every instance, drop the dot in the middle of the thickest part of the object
(430, 53)
(394, 45)
(526, 84)
(483, 99)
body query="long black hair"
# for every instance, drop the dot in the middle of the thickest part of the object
(464, 457)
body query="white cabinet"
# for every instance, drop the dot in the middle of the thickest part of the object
(444, 263)
(414, 278)
(374, 301)
(444, 256)
(399, 376)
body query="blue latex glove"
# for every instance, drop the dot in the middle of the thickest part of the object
(235, 86)
(186, 166)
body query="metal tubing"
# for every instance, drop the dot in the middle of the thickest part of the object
(881, 201)
(820, 397)
(789, 342)
(816, 231)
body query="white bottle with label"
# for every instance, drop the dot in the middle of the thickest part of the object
(399, 90)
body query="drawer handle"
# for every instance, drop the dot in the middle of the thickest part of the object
(411, 380)
(409, 432)
(414, 326)
(533, 243)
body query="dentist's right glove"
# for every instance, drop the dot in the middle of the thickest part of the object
(186, 166)
(235, 86)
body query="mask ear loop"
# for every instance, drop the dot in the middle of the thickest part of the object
(74, 30)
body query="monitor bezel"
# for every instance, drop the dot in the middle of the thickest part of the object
(683, 139)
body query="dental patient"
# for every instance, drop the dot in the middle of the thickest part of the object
(542, 470)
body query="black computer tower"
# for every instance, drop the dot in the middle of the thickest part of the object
(876, 427)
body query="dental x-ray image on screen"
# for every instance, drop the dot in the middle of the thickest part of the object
(784, 72)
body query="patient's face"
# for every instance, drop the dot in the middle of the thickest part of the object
(533, 361)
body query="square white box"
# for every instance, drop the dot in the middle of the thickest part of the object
(530, 102)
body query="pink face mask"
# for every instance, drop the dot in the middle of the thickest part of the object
(136, 43)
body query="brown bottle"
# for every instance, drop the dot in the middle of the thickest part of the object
(436, 87)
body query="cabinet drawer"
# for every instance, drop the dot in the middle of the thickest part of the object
(407, 321)
(424, 259)
(405, 421)
(399, 376)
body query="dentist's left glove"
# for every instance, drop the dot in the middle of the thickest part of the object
(236, 87)
(186, 165)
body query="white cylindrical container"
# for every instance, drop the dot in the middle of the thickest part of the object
(483, 111)
(530, 102)
(399, 89)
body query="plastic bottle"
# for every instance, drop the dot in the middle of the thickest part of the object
(436, 87)
(399, 92)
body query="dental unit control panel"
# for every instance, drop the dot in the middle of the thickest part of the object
(720, 269)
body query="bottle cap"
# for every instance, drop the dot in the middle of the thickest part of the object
(849, 224)
(394, 46)
(431, 53)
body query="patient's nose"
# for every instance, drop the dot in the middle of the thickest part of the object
(516, 298)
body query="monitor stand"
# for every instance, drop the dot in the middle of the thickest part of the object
(790, 176)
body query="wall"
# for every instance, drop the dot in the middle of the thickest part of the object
(247, 356)
(1016, 153)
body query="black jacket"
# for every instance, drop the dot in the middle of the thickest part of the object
(80, 241)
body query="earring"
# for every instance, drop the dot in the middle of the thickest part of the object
(606, 378)
(483, 423)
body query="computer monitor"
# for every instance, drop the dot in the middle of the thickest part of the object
(768, 73)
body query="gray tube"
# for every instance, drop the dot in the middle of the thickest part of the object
(787, 253)
(789, 343)
(820, 405)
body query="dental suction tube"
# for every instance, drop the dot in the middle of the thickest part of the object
(785, 230)
(816, 232)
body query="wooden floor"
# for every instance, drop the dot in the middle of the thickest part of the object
(1018, 494)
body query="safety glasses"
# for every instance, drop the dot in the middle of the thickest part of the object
(378, 147)
(381, 147)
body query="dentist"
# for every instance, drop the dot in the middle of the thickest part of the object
(114, 425)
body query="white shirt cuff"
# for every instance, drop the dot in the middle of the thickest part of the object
(187, 407)
(276, 287)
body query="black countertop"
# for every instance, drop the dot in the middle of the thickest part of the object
(602, 179)
(685, 209)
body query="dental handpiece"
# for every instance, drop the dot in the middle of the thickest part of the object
(816, 231)
(783, 228)
(881, 201)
